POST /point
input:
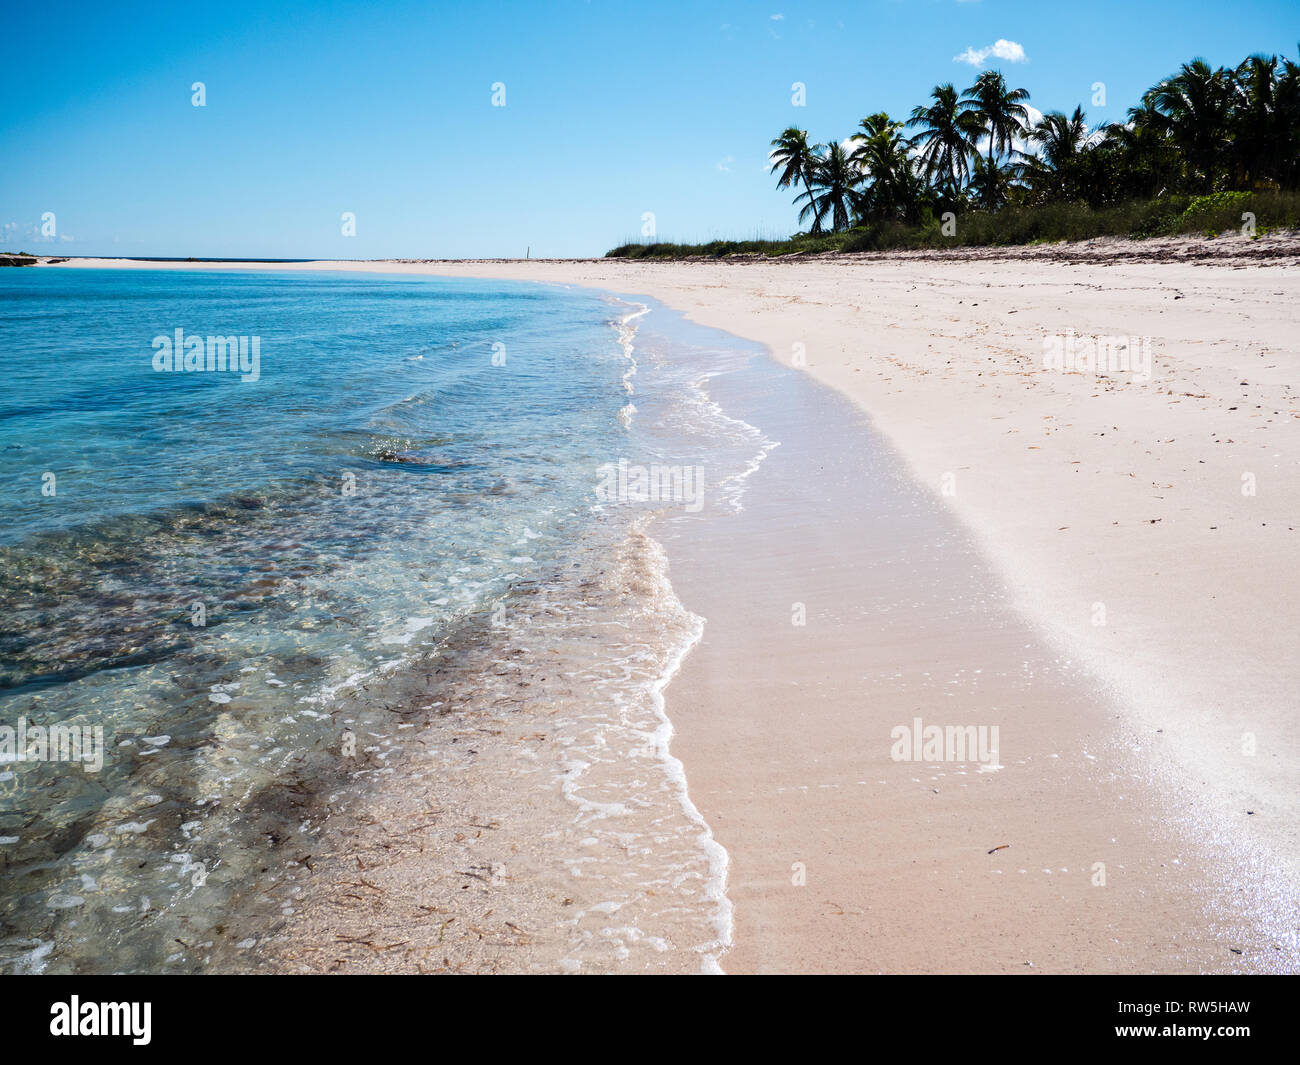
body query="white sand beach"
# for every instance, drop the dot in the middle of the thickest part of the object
(1136, 528)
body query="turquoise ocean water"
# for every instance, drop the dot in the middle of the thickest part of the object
(207, 570)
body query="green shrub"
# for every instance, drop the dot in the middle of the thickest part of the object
(1214, 205)
(1158, 218)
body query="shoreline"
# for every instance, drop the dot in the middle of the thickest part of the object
(1268, 247)
(566, 839)
(1200, 681)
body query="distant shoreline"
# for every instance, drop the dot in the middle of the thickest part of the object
(1226, 249)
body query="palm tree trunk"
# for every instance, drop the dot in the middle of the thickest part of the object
(988, 185)
(817, 223)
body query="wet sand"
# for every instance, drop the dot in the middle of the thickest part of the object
(1075, 851)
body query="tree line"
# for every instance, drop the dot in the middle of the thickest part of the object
(1199, 131)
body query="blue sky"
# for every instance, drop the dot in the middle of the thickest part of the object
(611, 110)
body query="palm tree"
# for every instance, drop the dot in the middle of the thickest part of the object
(1146, 134)
(1000, 112)
(832, 189)
(1146, 120)
(945, 139)
(1287, 110)
(1060, 141)
(792, 155)
(1265, 121)
(880, 156)
(992, 184)
(1197, 106)
(1144, 162)
(1255, 85)
(1198, 130)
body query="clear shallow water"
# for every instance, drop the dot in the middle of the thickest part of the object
(380, 494)
(378, 423)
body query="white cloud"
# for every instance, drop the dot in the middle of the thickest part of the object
(777, 18)
(725, 164)
(1009, 51)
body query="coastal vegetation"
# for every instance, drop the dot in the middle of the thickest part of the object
(1206, 151)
